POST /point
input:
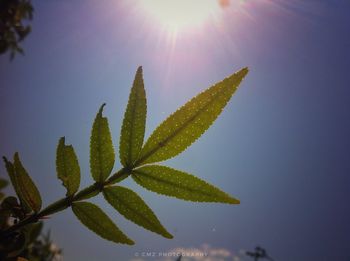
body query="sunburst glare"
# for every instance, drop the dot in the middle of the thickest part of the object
(181, 14)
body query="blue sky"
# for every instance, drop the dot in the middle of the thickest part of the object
(280, 146)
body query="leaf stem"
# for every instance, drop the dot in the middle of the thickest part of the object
(67, 201)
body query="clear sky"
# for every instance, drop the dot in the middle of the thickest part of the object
(281, 146)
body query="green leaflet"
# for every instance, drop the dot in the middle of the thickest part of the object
(97, 221)
(11, 172)
(133, 129)
(25, 188)
(132, 207)
(30, 193)
(189, 122)
(101, 148)
(175, 183)
(67, 167)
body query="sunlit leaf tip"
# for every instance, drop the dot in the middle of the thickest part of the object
(101, 148)
(133, 127)
(189, 122)
(100, 111)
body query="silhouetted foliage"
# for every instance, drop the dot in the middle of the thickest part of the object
(27, 243)
(259, 253)
(13, 16)
(43, 249)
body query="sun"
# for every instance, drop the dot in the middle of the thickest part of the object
(176, 15)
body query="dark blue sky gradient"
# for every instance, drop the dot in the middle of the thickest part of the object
(281, 146)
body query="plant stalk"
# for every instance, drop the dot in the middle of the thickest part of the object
(67, 201)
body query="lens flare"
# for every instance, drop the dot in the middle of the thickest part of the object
(176, 15)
